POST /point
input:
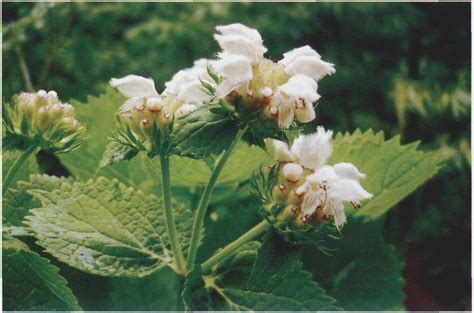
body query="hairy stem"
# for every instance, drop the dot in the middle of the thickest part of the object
(205, 198)
(7, 179)
(169, 216)
(228, 250)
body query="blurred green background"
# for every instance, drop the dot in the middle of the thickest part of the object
(401, 68)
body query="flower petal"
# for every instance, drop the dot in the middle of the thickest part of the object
(292, 55)
(130, 104)
(310, 66)
(310, 202)
(313, 150)
(193, 93)
(236, 70)
(238, 39)
(282, 151)
(348, 170)
(184, 110)
(347, 190)
(135, 86)
(324, 174)
(300, 87)
(305, 113)
(339, 215)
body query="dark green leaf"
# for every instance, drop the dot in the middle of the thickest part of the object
(202, 133)
(30, 282)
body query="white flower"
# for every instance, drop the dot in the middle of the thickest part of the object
(306, 61)
(135, 86)
(193, 93)
(285, 109)
(313, 150)
(238, 39)
(292, 171)
(332, 191)
(235, 70)
(184, 110)
(186, 84)
(326, 188)
(295, 98)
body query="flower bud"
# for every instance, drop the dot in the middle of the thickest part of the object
(292, 172)
(42, 113)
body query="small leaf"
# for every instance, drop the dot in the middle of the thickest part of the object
(105, 228)
(115, 152)
(213, 74)
(202, 133)
(31, 282)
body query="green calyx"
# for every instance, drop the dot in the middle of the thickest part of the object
(41, 120)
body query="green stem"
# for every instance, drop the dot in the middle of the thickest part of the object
(228, 250)
(11, 173)
(169, 216)
(205, 198)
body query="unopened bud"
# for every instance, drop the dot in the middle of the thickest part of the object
(52, 94)
(266, 91)
(292, 172)
(42, 93)
(154, 104)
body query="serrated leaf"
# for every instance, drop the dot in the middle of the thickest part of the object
(105, 228)
(31, 282)
(115, 152)
(202, 133)
(17, 201)
(393, 170)
(276, 282)
(363, 273)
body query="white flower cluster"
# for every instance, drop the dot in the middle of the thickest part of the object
(145, 106)
(286, 89)
(43, 113)
(319, 190)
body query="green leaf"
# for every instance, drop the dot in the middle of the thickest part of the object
(105, 228)
(205, 293)
(364, 272)
(17, 202)
(393, 171)
(155, 292)
(276, 282)
(29, 166)
(115, 152)
(202, 133)
(30, 282)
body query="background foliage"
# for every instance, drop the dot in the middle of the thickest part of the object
(401, 68)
